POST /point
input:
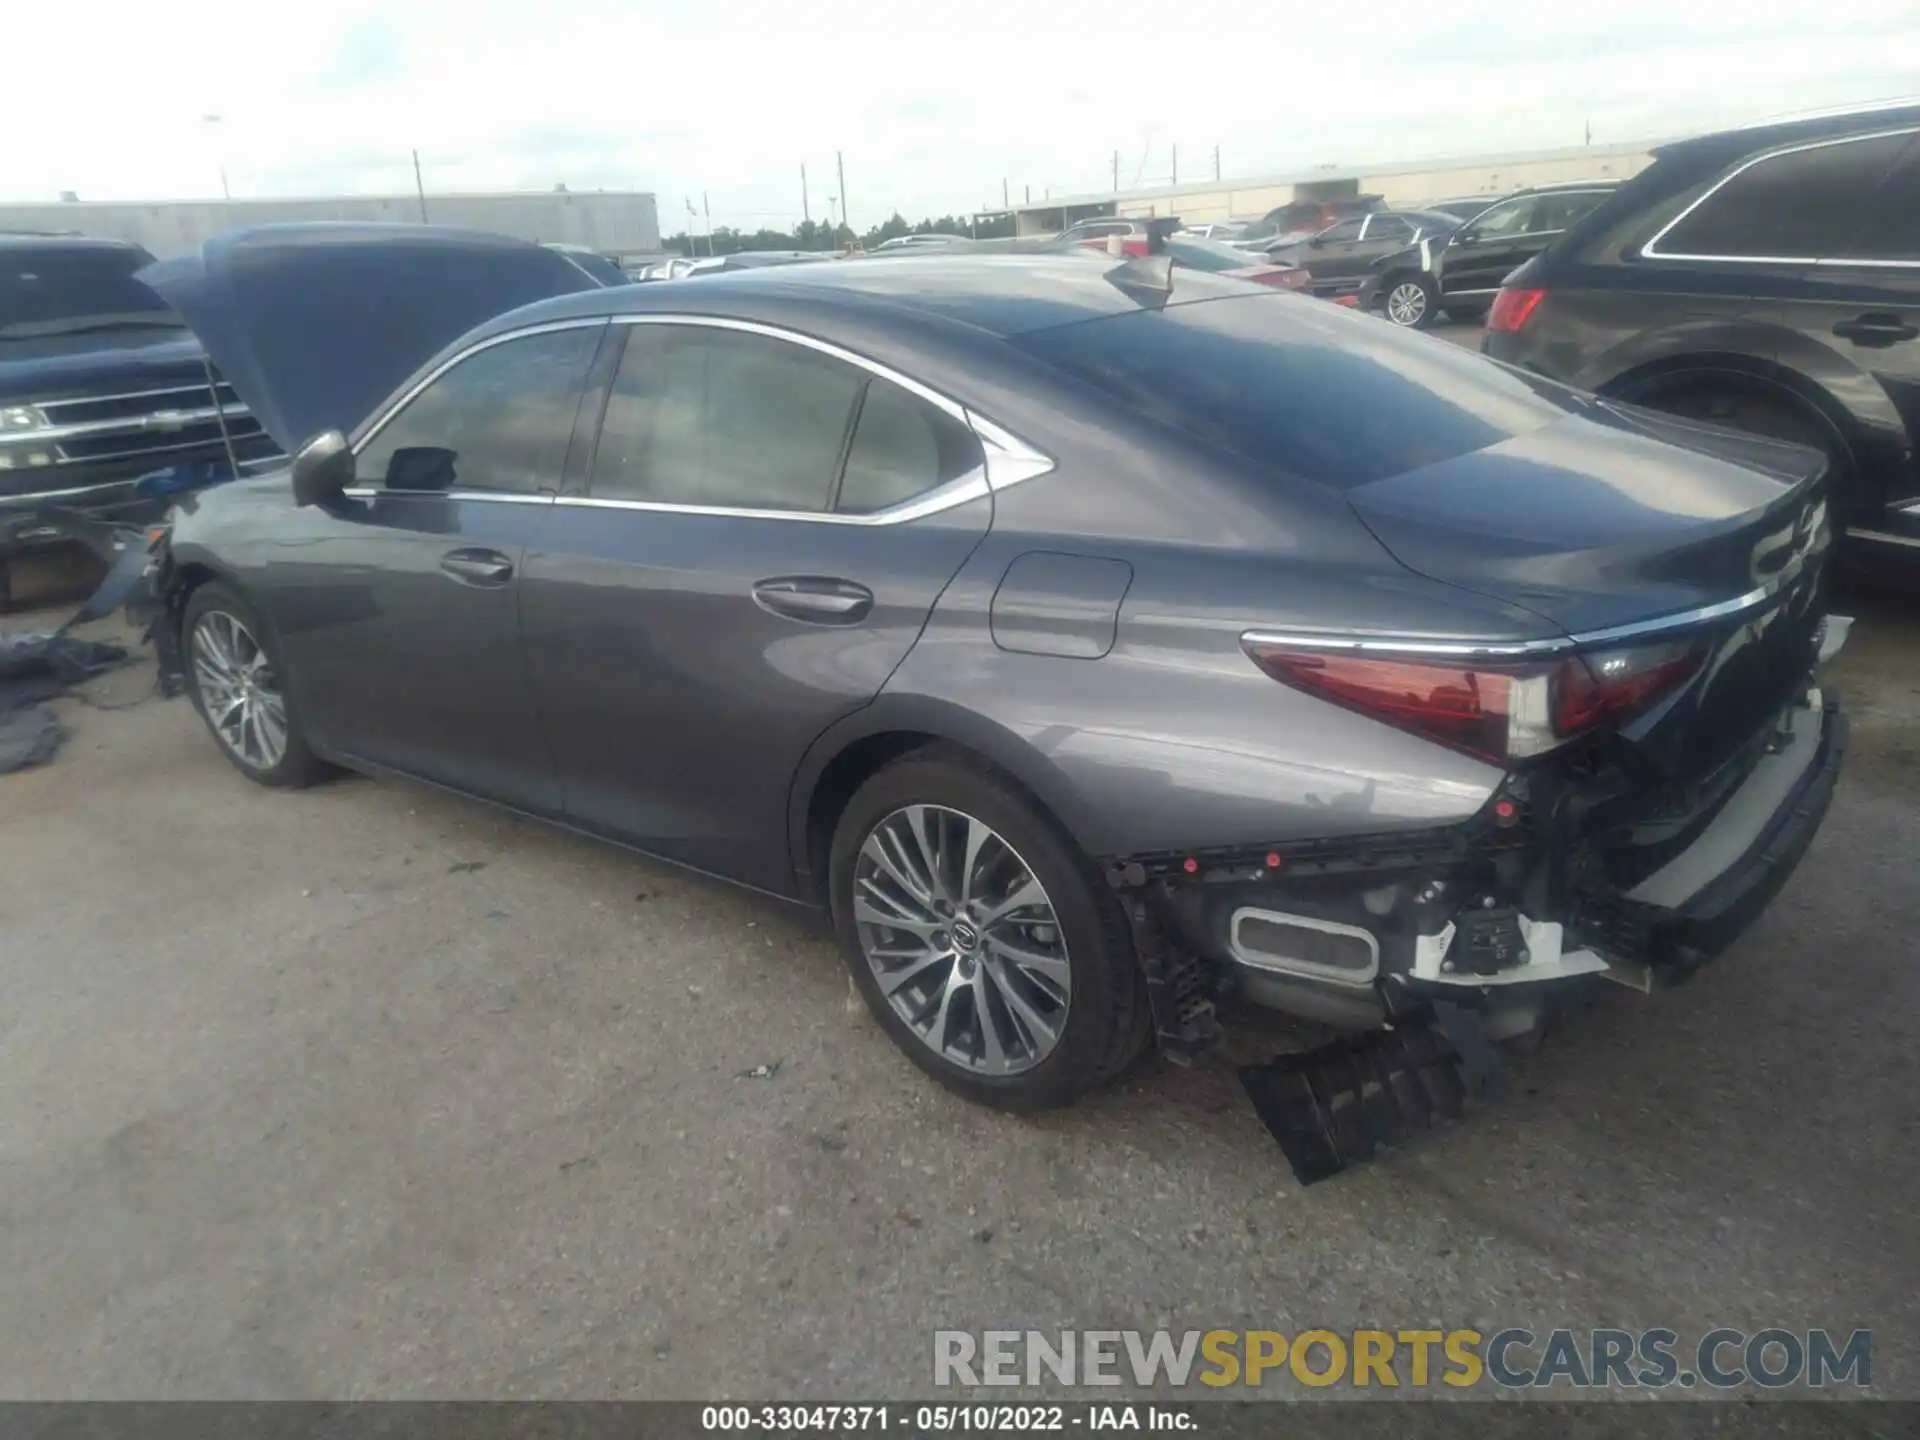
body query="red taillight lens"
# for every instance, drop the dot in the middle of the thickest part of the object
(1619, 684)
(1502, 712)
(1512, 308)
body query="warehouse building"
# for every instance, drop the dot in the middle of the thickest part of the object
(1403, 185)
(615, 222)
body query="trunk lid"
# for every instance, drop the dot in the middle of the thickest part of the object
(1615, 523)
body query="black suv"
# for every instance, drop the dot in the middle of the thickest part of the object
(107, 404)
(1767, 279)
(1460, 272)
(1336, 259)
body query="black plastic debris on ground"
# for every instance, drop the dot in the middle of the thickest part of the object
(37, 665)
(1340, 1105)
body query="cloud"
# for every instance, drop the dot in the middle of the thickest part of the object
(369, 53)
(933, 107)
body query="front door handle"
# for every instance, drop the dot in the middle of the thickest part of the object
(817, 599)
(1877, 330)
(477, 567)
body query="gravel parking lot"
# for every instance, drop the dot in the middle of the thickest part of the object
(370, 1091)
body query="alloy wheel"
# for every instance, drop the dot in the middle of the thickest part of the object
(962, 939)
(239, 690)
(1407, 303)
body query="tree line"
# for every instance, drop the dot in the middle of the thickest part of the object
(818, 235)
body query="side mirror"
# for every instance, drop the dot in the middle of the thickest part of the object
(1463, 237)
(322, 469)
(1314, 242)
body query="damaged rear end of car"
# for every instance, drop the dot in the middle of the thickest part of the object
(1662, 752)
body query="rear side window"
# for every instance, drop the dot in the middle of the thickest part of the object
(721, 418)
(499, 420)
(1802, 204)
(1515, 217)
(902, 447)
(1892, 230)
(1300, 387)
(1388, 227)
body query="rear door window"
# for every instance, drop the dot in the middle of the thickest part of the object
(725, 419)
(1892, 228)
(1561, 211)
(1302, 389)
(1803, 204)
(1388, 227)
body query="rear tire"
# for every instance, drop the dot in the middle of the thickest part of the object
(1062, 1025)
(236, 680)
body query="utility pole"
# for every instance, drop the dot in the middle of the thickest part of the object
(1176, 164)
(1116, 172)
(806, 214)
(1005, 203)
(1029, 192)
(708, 210)
(1216, 162)
(419, 187)
(225, 193)
(840, 167)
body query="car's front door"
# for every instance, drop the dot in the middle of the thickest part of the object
(1328, 256)
(765, 527)
(1482, 253)
(397, 608)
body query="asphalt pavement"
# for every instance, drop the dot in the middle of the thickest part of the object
(370, 1091)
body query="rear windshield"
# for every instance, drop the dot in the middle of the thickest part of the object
(1302, 386)
(59, 290)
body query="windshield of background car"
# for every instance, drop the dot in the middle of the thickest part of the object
(1303, 387)
(59, 290)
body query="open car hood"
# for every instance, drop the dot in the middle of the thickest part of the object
(315, 324)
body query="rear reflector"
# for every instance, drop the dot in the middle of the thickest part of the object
(1512, 308)
(1499, 711)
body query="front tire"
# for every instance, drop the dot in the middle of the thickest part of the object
(237, 684)
(979, 937)
(1410, 302)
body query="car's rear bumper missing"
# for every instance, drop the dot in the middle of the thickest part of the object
(1503, 915)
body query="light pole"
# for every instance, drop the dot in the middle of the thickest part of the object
(225, 193)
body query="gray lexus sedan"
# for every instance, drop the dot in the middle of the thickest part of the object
(1102, 645)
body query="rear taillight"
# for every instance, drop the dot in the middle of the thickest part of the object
(1499, 711)
(1512, 308)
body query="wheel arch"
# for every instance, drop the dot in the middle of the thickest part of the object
(849, 752)
(1745, 372)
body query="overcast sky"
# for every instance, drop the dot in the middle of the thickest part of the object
(933, 105)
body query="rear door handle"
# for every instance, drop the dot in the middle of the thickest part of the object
(477, 567)
(1876, 330)
(816, 599)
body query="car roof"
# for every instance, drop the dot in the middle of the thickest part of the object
(1723, 145)
(999, 294)
(27, 239)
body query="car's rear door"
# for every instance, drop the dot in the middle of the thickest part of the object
(766, 523)
(398, 608)
(1862, 299)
